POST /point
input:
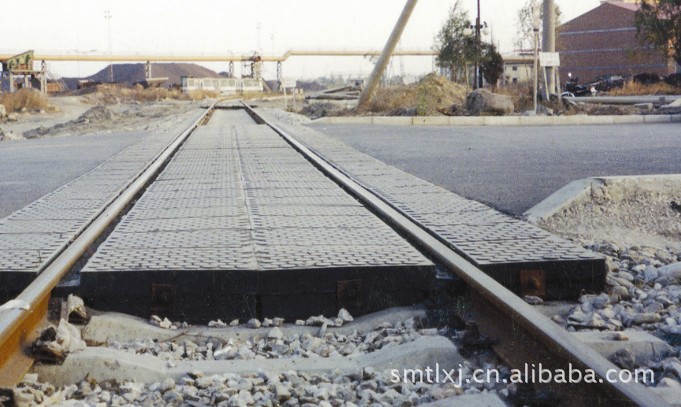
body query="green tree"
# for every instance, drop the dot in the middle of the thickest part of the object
(455, 49)
(658, 23)
(492, 65)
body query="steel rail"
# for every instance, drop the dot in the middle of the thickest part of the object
(18, 326)
(532, 325)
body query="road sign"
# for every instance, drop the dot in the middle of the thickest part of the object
(547, 59)
(288, 83)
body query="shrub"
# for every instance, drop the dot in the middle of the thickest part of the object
(30, 99)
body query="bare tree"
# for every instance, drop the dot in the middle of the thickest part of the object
(525, 24)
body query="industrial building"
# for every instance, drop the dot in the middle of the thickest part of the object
(603, 41)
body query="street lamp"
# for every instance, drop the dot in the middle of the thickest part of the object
(477, 30)
(536, 21)
(480, 28)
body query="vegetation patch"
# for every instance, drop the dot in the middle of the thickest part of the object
(28, 99)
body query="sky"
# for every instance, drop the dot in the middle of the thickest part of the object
(182, 27)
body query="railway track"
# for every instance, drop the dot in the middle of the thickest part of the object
(519, 334)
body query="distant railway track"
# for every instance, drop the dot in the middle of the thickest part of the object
(521, 335)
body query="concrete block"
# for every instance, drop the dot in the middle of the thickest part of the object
(351, 120)
(466, 121)
(431, 121)
(628, 119)
(560, 199)
(502, 120)
(391, 121)
(657, 118)
(537, 120)
(598, 120)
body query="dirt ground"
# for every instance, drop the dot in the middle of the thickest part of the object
(637, 211)
(77, 115)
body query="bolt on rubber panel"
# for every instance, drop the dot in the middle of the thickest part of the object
(171, 259)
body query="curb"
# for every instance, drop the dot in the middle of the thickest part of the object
(499, 120)
(573, 191)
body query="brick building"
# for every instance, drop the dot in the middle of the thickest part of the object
(603, 41)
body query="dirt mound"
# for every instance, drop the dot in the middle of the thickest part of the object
(96, 113)
(131, 73)
(433, 95)
(627, 211)
(602, 109)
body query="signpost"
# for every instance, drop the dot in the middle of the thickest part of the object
(548, 60)
(289, 83)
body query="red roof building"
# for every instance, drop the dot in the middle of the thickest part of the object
(603, 41)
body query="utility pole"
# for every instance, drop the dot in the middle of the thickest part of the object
(478, 77)
(388, 50)
(536, 11)
(549, 44)
(258, 27)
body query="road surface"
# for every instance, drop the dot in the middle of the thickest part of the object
(513, 168)
(30, 169)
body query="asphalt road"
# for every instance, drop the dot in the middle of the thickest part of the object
(30, 169)
(514, 168)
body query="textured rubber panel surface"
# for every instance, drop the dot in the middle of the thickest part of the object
(38, 232)
(498, 244)
(239, 201)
